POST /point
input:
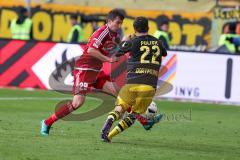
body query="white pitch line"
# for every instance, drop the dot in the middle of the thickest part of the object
(39, 98)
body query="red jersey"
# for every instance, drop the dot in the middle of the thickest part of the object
(103, 40)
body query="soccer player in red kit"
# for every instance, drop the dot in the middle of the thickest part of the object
(87, 70)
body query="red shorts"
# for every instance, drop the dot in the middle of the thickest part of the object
(85, 80)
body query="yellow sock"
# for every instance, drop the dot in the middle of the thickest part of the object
(122, 125)
(114, 132)
(114, 115)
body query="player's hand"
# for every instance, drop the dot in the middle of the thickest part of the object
(113, 59)
(125, 46)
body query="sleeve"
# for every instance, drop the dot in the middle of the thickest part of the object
(162, 48)
(125, 46)
(164, 42)
(97, 39)
(164, 52)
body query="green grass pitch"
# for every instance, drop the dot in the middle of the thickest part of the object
(188, 131)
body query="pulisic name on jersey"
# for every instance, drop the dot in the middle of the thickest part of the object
(146, 43)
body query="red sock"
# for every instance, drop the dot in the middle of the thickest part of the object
(62, 111)
(142, 119)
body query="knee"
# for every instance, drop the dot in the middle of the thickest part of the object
(120, 109)
(111, 88)
(115, 91)
(77, 103)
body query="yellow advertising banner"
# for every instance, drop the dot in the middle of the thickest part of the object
(51, 22)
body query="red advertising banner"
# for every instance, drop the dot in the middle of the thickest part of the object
(30, 64)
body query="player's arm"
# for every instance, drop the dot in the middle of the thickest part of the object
(125, 46)
(95, 44)
(164, 52)
(163, 49)
(129, 37)
(97, 54)
(164, 42)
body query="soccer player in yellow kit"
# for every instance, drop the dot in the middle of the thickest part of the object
(143, 69)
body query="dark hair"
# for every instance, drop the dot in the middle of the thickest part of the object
(164, 22)
(74, 16)
(232, 27)
(140, 24)
(116, 13)
(21, 10)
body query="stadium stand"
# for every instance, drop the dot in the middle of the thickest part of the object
(180, 5)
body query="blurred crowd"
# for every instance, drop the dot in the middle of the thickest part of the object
(229, 40)
(21, 28)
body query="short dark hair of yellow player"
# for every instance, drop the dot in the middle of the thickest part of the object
(140, 24)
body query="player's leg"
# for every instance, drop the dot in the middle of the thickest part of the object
(142, 95)
(113, 116)
(111, 88)
(121, 107)
(124, 101)
(149, 123)
(123, 124)
(79, 92)
(106, 84)
(144, 100)
(61, 112)
(129, 120)
(145, 122)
